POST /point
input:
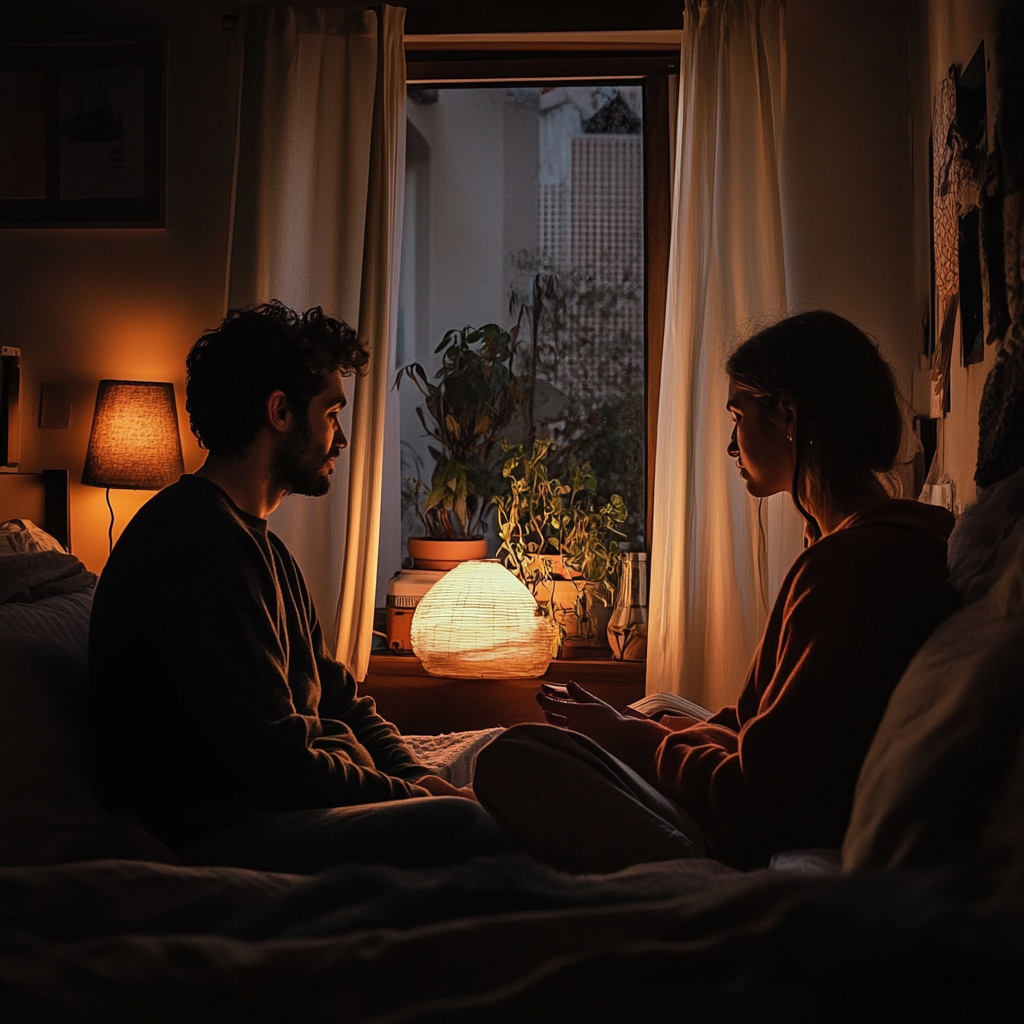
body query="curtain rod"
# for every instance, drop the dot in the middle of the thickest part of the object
(647, 40)
(641, 39)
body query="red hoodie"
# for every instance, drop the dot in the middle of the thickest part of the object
(778, 770)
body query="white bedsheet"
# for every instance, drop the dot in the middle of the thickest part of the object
(452, 755)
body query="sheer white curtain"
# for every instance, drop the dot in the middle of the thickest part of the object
(710, 582)
(317, 221)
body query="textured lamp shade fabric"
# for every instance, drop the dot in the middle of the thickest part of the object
(134, 441)
(479, 622)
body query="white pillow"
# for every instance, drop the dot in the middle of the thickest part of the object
(18, 536)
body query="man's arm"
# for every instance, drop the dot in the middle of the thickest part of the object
(228, 664)
(339, 701)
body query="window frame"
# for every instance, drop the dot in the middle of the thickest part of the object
(643, 58)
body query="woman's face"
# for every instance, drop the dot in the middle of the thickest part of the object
(761, 442)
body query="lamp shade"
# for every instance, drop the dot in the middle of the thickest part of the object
(134, 441)
(479, 622)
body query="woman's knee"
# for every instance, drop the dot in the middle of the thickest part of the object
(506, 751)
(521, 756)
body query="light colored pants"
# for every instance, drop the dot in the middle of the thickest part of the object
(418, 832)
(575, 806)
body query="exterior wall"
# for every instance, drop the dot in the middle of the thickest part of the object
(467, 183)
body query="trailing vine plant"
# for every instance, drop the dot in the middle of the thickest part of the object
(555, 529)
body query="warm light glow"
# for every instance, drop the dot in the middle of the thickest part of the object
(134, 441)
(480, 622)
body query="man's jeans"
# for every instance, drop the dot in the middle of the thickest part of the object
(418, 832)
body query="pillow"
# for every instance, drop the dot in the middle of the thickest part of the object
(979, 534)
(949, 735)
(32, 575)
(21, 535)
(49, 812)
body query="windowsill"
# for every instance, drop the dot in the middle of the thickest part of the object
(419, 703)
(560, 669)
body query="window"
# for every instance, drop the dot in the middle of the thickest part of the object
(537, 198)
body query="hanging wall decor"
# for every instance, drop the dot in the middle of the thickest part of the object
(82, 132)
(945, 233)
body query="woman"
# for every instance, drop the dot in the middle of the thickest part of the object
(817, 415)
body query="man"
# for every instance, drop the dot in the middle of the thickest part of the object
(222, 722)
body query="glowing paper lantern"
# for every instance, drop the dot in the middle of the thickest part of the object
(479, 622)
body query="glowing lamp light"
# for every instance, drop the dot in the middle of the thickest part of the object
(134, 442)
(479, 622)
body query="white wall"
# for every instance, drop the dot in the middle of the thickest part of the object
(84, 304)
(848, 171)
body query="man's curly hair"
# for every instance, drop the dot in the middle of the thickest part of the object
(233, 369)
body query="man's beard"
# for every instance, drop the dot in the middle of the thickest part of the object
(300, 468)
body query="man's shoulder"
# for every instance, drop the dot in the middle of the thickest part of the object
(190, 515)
(193, 500)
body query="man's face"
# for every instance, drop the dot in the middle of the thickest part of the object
(312, 443)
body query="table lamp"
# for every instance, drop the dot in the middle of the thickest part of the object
(134, 442)
(479, 622)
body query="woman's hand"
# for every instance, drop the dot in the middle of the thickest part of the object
(583, 712)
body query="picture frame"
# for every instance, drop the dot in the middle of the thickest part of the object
(83, 125)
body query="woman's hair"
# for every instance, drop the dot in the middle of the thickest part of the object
(847, 403)
(233, 369)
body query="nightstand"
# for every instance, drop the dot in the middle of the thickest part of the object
(419, 703)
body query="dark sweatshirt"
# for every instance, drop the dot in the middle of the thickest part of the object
(777, 771)
(213, 692)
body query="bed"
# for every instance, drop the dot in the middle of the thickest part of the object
(920, 918)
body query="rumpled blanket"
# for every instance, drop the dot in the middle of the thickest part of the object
(34, 575)
(498, 941)
(376, 896)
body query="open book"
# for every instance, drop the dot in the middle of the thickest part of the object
(654, 705)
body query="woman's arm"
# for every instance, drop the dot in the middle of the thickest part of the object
(852, 613)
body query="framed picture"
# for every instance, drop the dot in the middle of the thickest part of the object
(83, 132)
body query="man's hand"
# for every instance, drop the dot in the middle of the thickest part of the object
(436, 786)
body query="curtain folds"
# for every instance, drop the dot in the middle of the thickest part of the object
(378, 321)
(316, 220)
(711, 577)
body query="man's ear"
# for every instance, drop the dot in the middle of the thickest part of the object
(279, 412)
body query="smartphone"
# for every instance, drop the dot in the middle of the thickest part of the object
(558, 690)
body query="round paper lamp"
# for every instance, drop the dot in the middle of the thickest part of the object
(479, 622)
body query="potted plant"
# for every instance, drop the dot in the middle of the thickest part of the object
(560, 541)
(468, 406)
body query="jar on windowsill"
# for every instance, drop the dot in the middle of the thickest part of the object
(627, 627)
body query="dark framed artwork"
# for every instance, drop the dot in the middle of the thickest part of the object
(83, 132)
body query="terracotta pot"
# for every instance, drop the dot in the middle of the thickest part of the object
(428, 553)
(561, 594)
(561, 575)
